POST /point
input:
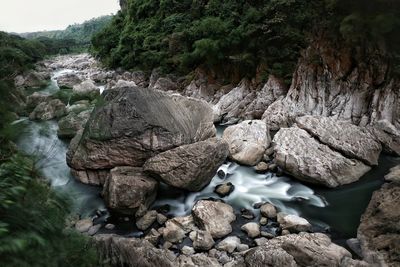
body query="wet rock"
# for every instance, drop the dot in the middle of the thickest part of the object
(69, 125)
(161, 219)
(33, 100)
(86, 90)
(247, 141)
(262, 167)
(94, 229)
(393, 175)
(199, 259)
(297, 250)
(202, 240)
(293, 223)
(379, 229)
(109, 226)
(123, 251)
(242, 247)
(153, 236)
(302, 156)
(252, 229)
(267, 234)
(127, 188)
(247, 214)
(134, 124)
(214, 217)
(189, 167)
(224, 189)
(187, 250)
(68, 80)
(54, 109)
(147, 220)
(83, 225)
(350, 140)
(261, 241)
(177, 228)
(263, 221)
(229, 244)
(268, 210)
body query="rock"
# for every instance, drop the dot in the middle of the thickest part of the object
(53, 109)
(33, 100)
(285, 232)
(293, 223)
(214, 217)
(302, 156)
(86, 90)
(32, 79)
(68, 80)
(128, 188)
(267, 234)
(262, 167)
(354, 245)
(109, 226)
(350, 140)
(187, 250)
(161, 219)
(141, 211)
(165, 84)
(247, 214)
(202, 240)
(252, 229)
(134, 124)
(147, 220)
(199, 259)
(153, 237)
(303, 249)
(393, 175)
(242, 247)
(69, 125)
(261, 241)
(349, 262)
(268, 210)
(177, 228)
(379, 230)
(94, 229)
(229, 244)
(123, 83)
(83, 225)
(247, 141)
(224, 189)
(388, 135)
(189, 167)
(263, 221)
(124, 251)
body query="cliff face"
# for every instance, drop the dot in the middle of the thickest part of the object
(335, 81)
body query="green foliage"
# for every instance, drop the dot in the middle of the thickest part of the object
(32, 218)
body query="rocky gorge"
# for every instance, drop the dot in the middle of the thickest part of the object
(135, 136)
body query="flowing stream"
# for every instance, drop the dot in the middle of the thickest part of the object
(338, 209)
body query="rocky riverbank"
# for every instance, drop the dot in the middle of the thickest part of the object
(132, 134)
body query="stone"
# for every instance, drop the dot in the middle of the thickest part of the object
(202, 240)
(267, 234)
(268, 210)
(263, 221)
(109, 226)
(177, 228)
(379, 230)
(224, 189)
(302, 249)
(302, 156)
(388, 135)
(153, 237)
(83, 225)
(185, 250)
(69, 125)
(242, 247)
(261, 167)
(247, 141)
(252, 229)
(214, 217)
(134, 124)
(127, 188)
(352, 141)
(293, 223)
(261, 241)
(54, 109)
(33, 100)
(147, 220)
(229, 244)
(393, 175)
(198, 259)
(86, 90)
(68, 80)
(247, 214)
(190, 167)
(161, 218)
(94, 229)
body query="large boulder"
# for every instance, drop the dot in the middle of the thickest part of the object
(135, 124)
(247, 141)
(54, 109)
(302, 156)
(33, 79)
(69, 125)
(189, 167)
(379, 230)
(68, 80)
(350, 140)
(388, 135)
(127, 188)
(85, 90)
(302, 249)
(33, 100)
(214, 217)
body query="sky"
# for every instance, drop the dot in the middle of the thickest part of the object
(39, 15)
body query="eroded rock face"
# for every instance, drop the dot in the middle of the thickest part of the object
(127, 188)
(379, 231)
(351, 140)
(247, 141)
(135, 124)
(189, 167)
(297, 250)
(388, 135)
(214, 217)
(302, 156)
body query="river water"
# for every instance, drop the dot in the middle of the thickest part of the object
(336, 209)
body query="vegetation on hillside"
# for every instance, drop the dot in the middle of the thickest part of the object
(32, 216)
(232, 36)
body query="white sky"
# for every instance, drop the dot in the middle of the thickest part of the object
(38, 15)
